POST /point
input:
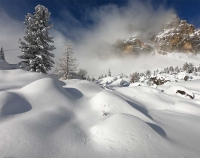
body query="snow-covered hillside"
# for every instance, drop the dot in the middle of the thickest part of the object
(46, 118)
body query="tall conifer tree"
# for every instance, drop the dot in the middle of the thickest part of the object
(36, 48)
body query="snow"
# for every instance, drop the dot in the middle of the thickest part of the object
(43, 117)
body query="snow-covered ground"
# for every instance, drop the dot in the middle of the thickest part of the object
(42, 117)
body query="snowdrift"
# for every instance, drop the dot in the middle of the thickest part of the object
(43, 117)
(122, 133)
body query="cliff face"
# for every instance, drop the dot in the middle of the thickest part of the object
(133, 46)
(178, 36)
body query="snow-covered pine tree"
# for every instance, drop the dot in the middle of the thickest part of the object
(67, 64)
(36, 56)
(2, 57)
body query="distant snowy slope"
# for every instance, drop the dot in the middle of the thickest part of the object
(5, 66)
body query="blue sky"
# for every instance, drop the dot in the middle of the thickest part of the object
(186, 9)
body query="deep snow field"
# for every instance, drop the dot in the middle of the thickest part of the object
(42, 117)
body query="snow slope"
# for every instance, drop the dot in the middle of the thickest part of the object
(46, 118)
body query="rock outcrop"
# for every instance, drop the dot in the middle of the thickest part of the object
(133, 46)
(178, 36)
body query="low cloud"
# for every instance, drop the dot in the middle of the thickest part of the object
(112, 22)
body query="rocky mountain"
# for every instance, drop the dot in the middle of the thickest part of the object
(176, 36)
(133, 46)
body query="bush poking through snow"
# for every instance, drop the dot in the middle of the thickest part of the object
(158, 81)
(104, 113)
(186, 78)
(135, 77)
(184, 93)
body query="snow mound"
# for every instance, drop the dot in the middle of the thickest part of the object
(187, 108)
(192, 85)
(122, 132)
(106, 80)
(86, 88)
(14, 79)
(12, 103)
(108, 103)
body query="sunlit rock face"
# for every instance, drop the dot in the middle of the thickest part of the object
(178, 36)
(133, 46)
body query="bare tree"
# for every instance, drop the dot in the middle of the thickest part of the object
(67, 63)
(135, 77)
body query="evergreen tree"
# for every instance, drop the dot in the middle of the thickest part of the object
(2, 54)
(171, 69)
(166, 70)
(189, 68)
(185, 66)
(157, 72)
(177, 69)
(36, 56)
(88, 78)
(109, 73)
(148, 73)
(198, 69)
(195, 69)
(82, 73)
(67, 66)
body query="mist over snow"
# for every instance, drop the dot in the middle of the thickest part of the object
(94, 45)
